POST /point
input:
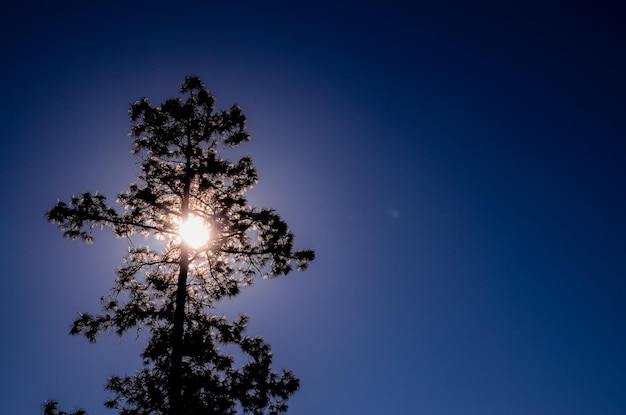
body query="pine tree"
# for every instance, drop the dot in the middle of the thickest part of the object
(170, 294)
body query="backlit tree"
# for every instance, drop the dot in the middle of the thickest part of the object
(170, 293)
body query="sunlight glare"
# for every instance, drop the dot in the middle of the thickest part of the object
(194, 232)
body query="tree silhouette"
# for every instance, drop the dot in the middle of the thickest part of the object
(170, 293)
(52, 408)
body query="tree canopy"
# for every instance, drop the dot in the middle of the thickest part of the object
(170, 293)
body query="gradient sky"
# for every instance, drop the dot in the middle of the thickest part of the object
(460, 170)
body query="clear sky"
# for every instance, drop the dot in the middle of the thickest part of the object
(460, 170)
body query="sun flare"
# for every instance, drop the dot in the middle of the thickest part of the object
(194, 232)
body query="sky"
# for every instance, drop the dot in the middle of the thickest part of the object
(458, 167)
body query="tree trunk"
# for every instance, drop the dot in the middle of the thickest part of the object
(178, 327)
(178, 332)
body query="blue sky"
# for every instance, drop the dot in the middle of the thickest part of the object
(458, 168)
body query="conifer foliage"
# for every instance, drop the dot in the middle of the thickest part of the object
(170, 293)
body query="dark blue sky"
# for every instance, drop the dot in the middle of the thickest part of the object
(459, 169)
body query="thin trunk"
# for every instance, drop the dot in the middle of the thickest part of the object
(178, 332)
(178, 327)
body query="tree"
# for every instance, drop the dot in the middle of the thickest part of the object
(170, 293)
(52, 408)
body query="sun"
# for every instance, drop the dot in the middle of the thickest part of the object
(194, 232)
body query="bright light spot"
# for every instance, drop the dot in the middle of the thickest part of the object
(194, 232)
